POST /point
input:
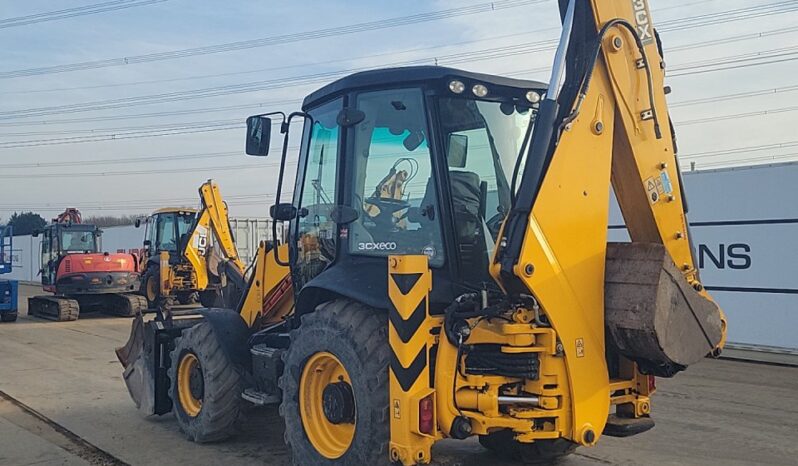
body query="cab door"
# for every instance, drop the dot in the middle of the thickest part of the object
(313, 237)
(49, 251)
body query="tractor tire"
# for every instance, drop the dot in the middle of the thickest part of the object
(211, 298)
(150, 287)
(547, 451)
(341, 350)
(8, 316)
(205, 386)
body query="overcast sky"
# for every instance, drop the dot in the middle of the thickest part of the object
(51, 158)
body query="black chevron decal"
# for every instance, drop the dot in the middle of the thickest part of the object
(405, 281)
(407, 328)
(408, 376)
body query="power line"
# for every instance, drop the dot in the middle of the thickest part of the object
(73, 12)
(362, 57)
(736, 116)
(277, 40)
(735, 96)
(738, 150)
(235, 125)
(304, 80)
(130, 204)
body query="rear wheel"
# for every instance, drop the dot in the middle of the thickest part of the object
(8, 316)
(205, 386)
(335, 386)
(546, 451)
(150, 287)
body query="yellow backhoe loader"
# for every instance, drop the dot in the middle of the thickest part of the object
(184, 250)
(447, 272)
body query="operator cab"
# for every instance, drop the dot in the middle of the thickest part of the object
(62, 239)
(416, 160)
(167, 230)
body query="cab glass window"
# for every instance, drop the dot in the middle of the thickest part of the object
(393, 187)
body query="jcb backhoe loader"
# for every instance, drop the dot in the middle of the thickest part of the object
(184, 250)
(449, 269)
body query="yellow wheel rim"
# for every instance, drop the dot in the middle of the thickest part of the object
(190, 391)
(152, 288)
(331, 438)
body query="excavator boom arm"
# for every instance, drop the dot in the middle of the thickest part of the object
(212, 219)
(607, 125)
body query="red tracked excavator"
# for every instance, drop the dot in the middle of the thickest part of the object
(80, 276)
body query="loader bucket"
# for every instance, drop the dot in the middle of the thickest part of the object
(137, 358)
(652, 314)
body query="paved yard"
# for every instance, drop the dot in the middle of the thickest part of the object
(63, 402)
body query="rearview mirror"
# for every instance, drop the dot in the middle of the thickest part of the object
(283, 212)
(137, 223)
(259, 131)
(458, 150)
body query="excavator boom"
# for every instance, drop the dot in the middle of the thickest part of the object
(608, 124)
(211, 219)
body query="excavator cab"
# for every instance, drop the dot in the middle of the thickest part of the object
(167, 230)
(59, 240)
(410, 161)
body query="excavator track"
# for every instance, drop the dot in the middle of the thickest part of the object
(125, 305)
(55, 308)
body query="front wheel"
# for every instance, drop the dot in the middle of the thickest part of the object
(205, 386)
(546, 451)
(335, 386)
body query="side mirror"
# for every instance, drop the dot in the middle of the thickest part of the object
(35, 233)
(259, 131)
(147, 243)
(137, 223)
(283, 212)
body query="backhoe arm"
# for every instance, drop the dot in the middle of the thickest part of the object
(212, 218)
(607, 125)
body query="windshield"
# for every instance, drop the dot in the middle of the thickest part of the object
(482, 141)
(78, 241)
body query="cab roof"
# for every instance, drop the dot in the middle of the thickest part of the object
(169, 210)
(389, 77)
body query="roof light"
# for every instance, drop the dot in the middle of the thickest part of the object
(479, 90)
(456, 86)
(533, 97)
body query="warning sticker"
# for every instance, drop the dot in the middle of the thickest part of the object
(396, 410)
(665, 180)
(580, 347)
(652, 190)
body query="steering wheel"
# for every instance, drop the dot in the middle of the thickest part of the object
(388, 207)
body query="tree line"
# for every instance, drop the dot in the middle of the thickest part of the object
(24, 223)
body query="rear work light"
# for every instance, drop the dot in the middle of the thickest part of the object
(652, 383)
(425, 415)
